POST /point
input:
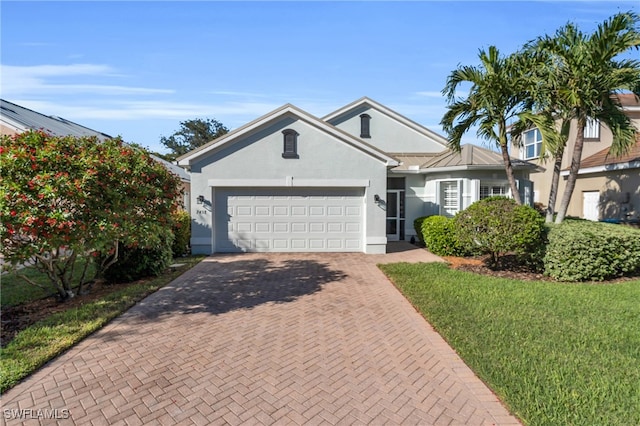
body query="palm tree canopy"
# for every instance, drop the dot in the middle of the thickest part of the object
(582, 74)
(494, 97)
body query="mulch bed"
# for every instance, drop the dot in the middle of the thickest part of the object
(510, 268)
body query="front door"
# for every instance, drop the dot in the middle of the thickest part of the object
(395, 215)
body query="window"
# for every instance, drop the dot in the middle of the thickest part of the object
(449, 198)
(592, 129)
(365, 128)
(493, 189)
(532, 144)
(290, 149)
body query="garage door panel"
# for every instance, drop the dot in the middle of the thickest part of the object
(243, 211)
(280, 227)
(298, 210)
(316, 211)
(286, 219)
(280, 211)
(299, 227)
(316, 227)
(262, 227)
(263, 211)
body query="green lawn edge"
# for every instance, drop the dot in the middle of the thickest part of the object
(554, 353)
(46, 339)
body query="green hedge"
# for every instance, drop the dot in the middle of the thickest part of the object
(439, 236)
(583, 250)
(417, 226)
(498, 226)
(135, 263)
(181, 232)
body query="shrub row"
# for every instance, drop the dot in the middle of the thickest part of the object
(576, 250)
(581, 250)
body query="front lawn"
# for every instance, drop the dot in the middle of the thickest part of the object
(554, 353)
(47, 338)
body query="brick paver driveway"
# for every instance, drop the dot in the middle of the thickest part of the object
(262, 339)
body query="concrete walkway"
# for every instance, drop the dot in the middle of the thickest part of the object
(264, 339)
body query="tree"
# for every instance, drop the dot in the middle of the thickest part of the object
(192, 134)
(495, 97)
(65, 198)
(579, 82)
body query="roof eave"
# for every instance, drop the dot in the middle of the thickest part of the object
(606, 168)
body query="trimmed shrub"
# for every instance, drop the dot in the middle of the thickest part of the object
(439, 236)
(135, 263)
(498, 226)
(417, 226)
(583, 250)
(181, 232)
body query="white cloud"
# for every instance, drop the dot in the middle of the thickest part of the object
(36, 80)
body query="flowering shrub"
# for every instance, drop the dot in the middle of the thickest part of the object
(64, 197)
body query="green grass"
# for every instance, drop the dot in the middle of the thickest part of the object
(15, 290)
(51, 336)
(555, 353)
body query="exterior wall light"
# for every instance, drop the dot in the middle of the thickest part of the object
(200, 199)
(376, 198)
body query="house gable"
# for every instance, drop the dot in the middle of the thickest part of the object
(279, 119)
(387, 130)
(259, 155)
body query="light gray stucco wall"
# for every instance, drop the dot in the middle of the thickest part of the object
(470, 185)
(387, 133)
(258, 157)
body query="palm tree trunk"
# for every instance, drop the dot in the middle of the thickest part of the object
(508, 167)
(553, 191)
(573, 171)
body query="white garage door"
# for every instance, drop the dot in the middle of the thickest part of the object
(288, 219)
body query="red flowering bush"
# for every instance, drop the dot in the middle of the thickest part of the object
(64, 197)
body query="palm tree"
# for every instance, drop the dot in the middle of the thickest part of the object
(495, 97)
(584, 76)
(546, 115)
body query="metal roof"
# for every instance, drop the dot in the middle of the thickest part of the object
(472, 155)
(56, 126)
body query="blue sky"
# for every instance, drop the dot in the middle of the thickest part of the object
(137, 69)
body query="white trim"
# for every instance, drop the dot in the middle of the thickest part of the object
(605, 168)
(290, 181)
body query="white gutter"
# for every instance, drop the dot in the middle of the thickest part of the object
(605, 168)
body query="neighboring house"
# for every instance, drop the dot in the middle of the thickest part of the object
(607, 187)
(351, 181)
(15, 119)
